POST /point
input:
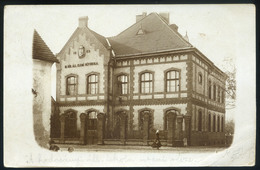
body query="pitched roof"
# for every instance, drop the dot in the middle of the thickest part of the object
(40, 50)
(157, 36)
(100, 38)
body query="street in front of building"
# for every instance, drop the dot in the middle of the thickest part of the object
(141, 149)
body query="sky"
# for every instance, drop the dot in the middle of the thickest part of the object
(220, 32)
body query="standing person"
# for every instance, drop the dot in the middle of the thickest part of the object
(157, 144)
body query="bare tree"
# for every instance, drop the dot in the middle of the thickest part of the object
(230, 70)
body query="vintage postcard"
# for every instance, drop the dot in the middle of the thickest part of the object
(129, 85)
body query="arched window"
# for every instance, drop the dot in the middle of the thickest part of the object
(223, 96)
(200, 121)
(92, 84)
(210, 89)
(219, 94)
(146, 82)
(172, 81)
(214, 123)
(209, 123)
(71, 85)
(70, 130)
(214, 92)
(172, 111)
(122, 84)
(200, 78)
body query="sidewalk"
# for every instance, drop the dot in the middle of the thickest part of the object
(129, 148)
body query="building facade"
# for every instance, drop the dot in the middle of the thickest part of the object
(120, 90)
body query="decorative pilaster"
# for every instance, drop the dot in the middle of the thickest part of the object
(82, 128)
(100, 128)
(187, 120)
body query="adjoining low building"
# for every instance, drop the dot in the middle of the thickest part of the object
(120, 90)
(43, 60)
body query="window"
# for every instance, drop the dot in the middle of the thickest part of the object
(71, 85)
(214, 92)
(218, 94)
(200, 78)
(122, 84)
(92, 84)
(214, 123)
(210, 90)
(209, 123)
(200, 121)
(146, 83)
(223, 96)
(172, 81)
(70, 130)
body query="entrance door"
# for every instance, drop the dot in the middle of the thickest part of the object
(91, 128)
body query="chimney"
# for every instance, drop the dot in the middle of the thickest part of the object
(165, 16)
(83, 22)
(174, 27)
(139, 17)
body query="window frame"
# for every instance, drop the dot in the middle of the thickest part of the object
(97, 83)
(120, 84)
(176, 80)
(75, 84)
(200, 79)
(151, 89)
(210, 90)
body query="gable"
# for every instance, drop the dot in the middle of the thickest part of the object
(94, 39)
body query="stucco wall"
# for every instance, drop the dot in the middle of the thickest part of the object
(42, 102)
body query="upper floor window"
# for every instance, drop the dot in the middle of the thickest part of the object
(146, 82)
(172, 81)
(122, 84)
(214, 92)
(210, 90)
(92, 84)
(200, 78)
(218, 94)
(223, 96)
(71, 85)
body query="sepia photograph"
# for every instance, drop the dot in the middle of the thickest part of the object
(129, 85)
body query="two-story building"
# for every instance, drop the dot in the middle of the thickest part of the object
(121, 89)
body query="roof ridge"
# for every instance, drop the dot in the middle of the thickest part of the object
(135, 23)
(177, 33)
